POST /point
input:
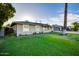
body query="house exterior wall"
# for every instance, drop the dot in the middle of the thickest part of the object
(32, 28)
(44, 29)
(28, 30)
(25, 29)
(57, 28)
(47, 29)
(19, 29)
(38, 29)
(14, 28)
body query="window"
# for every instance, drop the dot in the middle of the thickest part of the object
(25, 28)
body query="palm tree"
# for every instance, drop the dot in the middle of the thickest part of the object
(65, 18)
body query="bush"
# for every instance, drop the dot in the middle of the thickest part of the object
(34, 33)
(11, 34)
(8, 31)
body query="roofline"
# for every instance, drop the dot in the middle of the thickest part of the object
(23, 22)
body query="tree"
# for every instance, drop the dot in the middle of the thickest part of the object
(75, 26)
(7, 11)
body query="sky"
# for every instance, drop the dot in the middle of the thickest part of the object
(49, 13)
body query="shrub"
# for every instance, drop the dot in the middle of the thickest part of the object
(8, 31)
(34, 33)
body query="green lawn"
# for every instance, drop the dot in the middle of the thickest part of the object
(48, 44)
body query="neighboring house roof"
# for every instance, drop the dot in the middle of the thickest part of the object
(57, 25)
(31, 23)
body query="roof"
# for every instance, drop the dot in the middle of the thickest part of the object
(57, 25)
(31, 23)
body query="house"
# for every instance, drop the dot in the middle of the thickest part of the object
(25, 28)
(60, 28)
(57, 27)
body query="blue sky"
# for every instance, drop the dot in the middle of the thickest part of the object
(51, 13)
(38, 9)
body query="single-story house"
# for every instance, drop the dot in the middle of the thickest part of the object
(60, 28)
(57, 27)
(25, 28)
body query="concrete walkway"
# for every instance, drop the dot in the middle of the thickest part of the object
(73, 32)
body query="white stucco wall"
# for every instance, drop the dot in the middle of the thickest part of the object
(38, 28)
(19, 29)
(27, 29)
(47, 29)
(23, 29)
(32, 28)
(14, 28)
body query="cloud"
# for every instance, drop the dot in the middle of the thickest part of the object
(60, 19)
(69, 11)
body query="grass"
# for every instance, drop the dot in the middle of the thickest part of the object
(48, 44)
